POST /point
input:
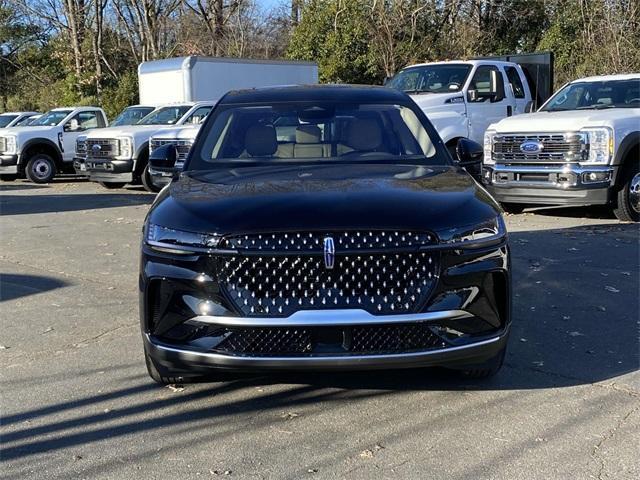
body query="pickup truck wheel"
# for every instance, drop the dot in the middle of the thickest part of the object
(627, 206)
(513, 208)
(147, 182)
(112, 185)
(8, 178)
(41, 168)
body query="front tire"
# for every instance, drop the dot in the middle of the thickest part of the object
(627, 206)
(148, 182)
(112, 185)
(41, 168)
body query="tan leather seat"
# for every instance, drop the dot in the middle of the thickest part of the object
(362, 135)
(308, 143)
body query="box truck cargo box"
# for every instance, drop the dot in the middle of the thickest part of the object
(194, 79)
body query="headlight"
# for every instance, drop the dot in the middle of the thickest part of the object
(125, 147)
(600, 142)
(488, 147)
(178, 241)
(81, 147)
(487, 232)
(10, 144)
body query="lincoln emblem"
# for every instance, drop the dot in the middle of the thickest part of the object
(329, 253)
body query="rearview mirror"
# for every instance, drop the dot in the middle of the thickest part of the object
(163, 159)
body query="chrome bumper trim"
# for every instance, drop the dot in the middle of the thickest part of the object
(324, 318)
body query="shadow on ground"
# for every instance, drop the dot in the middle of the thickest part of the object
(14, 286)
(575, 321)
(24, 205)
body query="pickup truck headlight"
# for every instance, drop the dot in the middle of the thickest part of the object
(490, 231)
(125, 145)
(488, 147)
(178, 241)
(9, 144)
(600, 141)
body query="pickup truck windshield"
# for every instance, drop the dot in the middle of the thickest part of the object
(305, 133)
(51, 119)
(165, 115)
(6, 120)
(431, 78)
(596, 96)
(131, 116)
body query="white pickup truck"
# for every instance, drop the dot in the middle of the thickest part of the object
(582, 147)
(183, 138)
(16, 119)
(119, 155)
(462, 98)
(46, 146)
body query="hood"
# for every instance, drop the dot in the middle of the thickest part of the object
(187, 132)
(570, 120)
(22, 132)
(138, 132)
(323, 197)
(435, 101)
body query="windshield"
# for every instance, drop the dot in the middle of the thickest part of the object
(6, 120)
(131, 116)
(307, 133)
(26, 121)
(52, 118)
(596, 95)
(165, 115)
(431, 78)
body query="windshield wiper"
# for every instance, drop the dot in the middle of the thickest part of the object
(409, 92)
(600, 106)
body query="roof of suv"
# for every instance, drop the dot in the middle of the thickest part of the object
(607, 78)
(316, 93)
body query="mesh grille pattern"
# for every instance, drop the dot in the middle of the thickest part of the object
(313, 241)
(380, 283)
(108, 147)
(556, 148)
(361, 340)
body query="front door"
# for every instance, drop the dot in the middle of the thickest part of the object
(76, 126)
(487, 100)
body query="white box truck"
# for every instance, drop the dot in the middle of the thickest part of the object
(188, 88)
(193, 79)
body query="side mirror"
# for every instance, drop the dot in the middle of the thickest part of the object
(72, 126)
(163, 159)
(470, 155)
(472, 95)
(529, 108)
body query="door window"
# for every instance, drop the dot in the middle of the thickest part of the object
(488, 84)
(516, 83)
(88, 120)
(198, 115)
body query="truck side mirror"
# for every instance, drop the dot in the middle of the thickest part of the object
(529, 108)
(386, 80)
(72, 126)
(472, 95)
(470, 155)
(163, 159)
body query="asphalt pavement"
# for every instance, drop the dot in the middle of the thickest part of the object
(76, 401)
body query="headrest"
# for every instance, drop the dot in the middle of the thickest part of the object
(261, 141)
(308, 134)
(364, 134)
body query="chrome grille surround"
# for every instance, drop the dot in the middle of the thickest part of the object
(557, 148)
(109, 147)
(182, 147)
(379, 277)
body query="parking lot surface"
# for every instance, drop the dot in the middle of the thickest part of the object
(77, 401)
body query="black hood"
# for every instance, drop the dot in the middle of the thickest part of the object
(323, 197)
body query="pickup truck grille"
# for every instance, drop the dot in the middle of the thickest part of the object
(182, 147)
(555, 148)
(102, 147)
(376, 273)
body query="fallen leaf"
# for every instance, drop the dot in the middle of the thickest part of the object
(175, 388)
(366, 454)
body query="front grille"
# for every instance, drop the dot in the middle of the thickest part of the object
(556, 148)
(360, 340)
(373, 274)
(182, 147)
(102, 147)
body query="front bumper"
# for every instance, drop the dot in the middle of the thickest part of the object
(9, 163)
(79, 166)
(109, 170)
(471, 299)
(569, 184)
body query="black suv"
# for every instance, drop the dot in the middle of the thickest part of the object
(322, 227)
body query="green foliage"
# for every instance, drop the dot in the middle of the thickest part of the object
(335, 34)
(121, 94)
